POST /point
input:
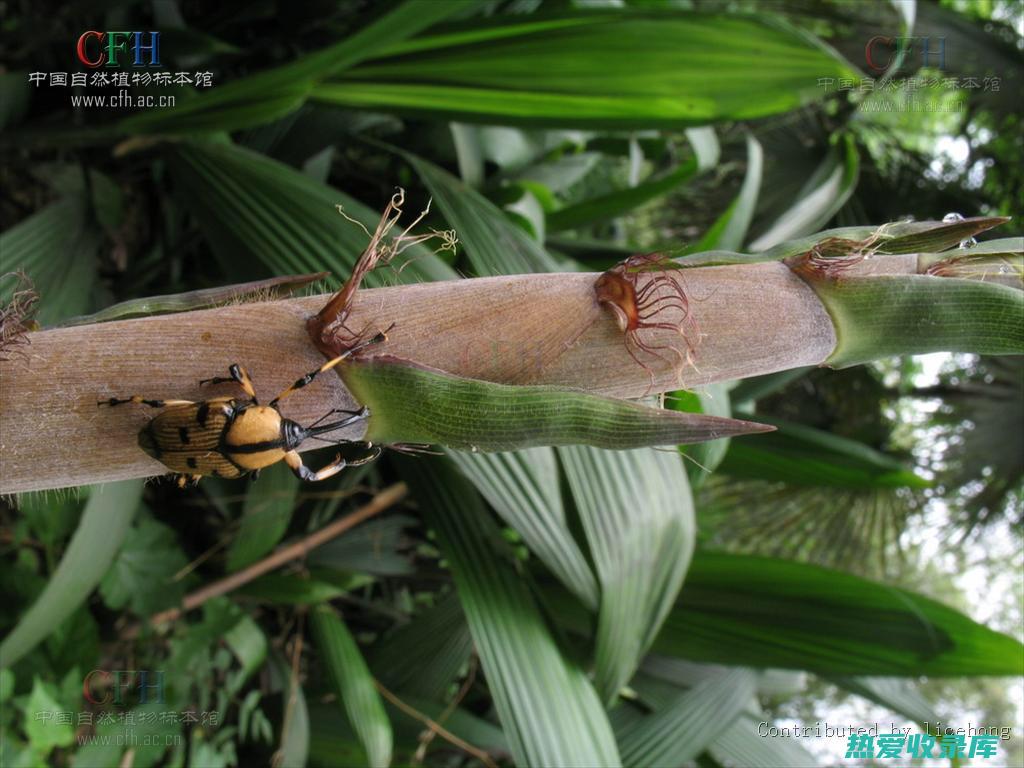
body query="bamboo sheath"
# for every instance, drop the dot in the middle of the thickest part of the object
(541, 329)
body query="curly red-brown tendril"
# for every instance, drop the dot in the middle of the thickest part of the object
(639, 292)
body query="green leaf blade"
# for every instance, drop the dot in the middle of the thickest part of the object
(351, 679)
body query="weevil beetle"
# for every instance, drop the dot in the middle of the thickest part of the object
(230, 437)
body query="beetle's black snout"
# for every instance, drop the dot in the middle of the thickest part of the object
(293, 434)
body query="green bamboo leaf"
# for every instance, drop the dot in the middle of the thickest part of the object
(494, 245)
(752, 389)
(683, 729)
(713, 400)
(605, 207)
(894, 693)
(292, 589)
(796, 454)
(739, 743)
(481, 733)
(56, 247)
(580, 70)
(423, 657)
(915, 314)
(765, 612)
(105, 522)
(413, 404)
(730, 229)
(547, 706)
(370, 548)
(523, 487)
(248, 643)
(293, 749)
(351, 679)
(822, 196)
(274, 93)
(637, 514)
(266, 514)
(332, 744)
(254, 208)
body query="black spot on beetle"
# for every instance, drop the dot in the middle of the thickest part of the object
(203, 414)
(191, 462)
(183, 435)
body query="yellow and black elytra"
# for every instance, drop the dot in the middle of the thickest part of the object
(231, 437)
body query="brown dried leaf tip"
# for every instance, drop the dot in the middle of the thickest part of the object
(645, 293)
(328, 328)
(833, 257)
(16, 317)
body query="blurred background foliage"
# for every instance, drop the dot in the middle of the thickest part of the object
(551, 136)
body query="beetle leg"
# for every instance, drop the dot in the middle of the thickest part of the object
(293, 460)
(238, 374)
(300, 383)
(140, 400)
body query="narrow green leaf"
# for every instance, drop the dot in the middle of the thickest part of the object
(739, 743)
(730, 229)
(332, 744)
(266, 513)
(637, 513)
(293, 749)
(254, 208)
(351, 679)
(413, 404)
(494, 245)
(248, 643)
(56, 247)
(764, 612)
(547, 707)
(894, 693)
(523, 487)
(370, 548)
(754, 388)
(272, 94)
(482, 734)
(800, 455)
(606, 207)
(822, 196)
(293, 589)
(714, 401)
(105, 521)
(424, 656)
(705, 145)
(915, 314)
(581, 70)
(683, 729)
